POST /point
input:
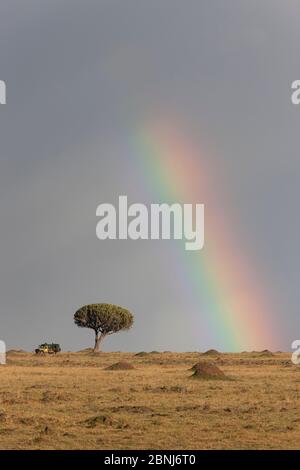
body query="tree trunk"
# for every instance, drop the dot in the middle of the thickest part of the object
(98, 339)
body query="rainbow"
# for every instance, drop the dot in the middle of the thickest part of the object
(225, 289)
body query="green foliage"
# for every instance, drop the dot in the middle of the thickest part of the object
(104, 318)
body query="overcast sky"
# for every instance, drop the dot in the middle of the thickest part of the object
(80, 76)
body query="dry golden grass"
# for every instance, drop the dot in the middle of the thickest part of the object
(70, 402)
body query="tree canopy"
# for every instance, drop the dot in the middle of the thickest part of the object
(104, 319)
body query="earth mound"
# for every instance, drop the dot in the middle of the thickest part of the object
(123, 365)
(86, 350)
(206, 370)
(266, 352)
(16, 351)
(211, 352)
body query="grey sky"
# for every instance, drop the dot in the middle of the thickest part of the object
(79, 75)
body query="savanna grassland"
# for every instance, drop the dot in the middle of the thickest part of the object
(70, 401)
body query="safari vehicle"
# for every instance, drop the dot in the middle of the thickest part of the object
(48, 348)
